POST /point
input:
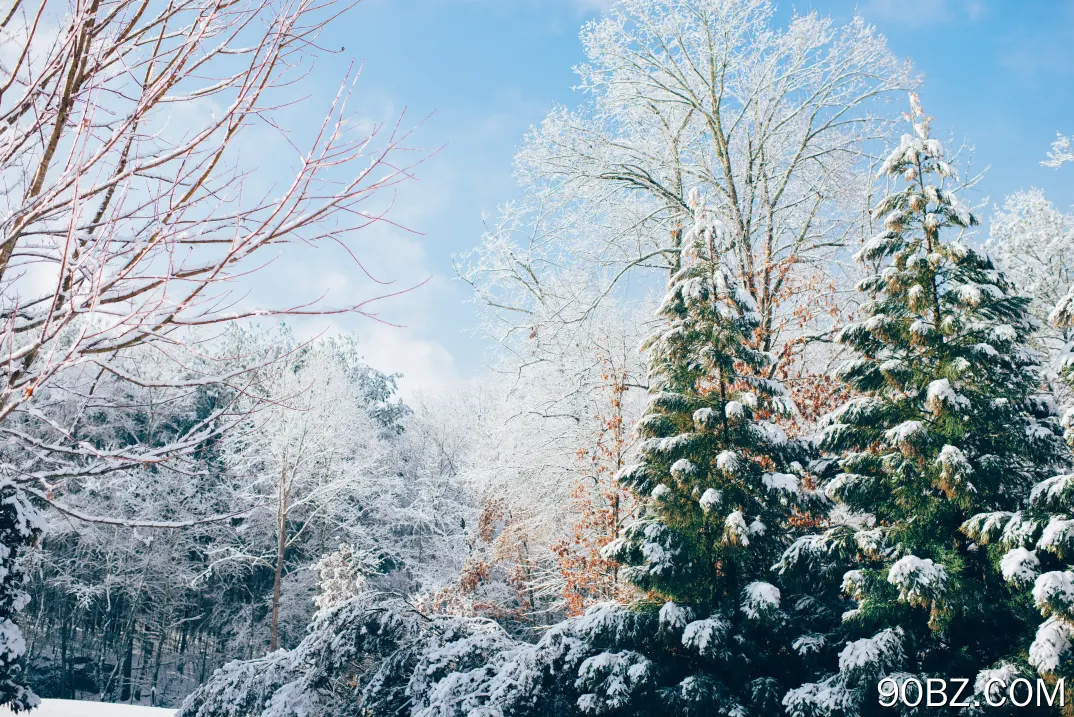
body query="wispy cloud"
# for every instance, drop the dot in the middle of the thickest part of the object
(593, 5)
(922, 13)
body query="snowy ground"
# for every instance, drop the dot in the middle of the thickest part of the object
(74, 708)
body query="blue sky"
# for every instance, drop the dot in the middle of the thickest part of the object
(999, 73)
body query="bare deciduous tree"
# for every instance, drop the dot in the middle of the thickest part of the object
(133, 205)
(777, 125)
(310, 460)
(1034, 242)
(129, 214)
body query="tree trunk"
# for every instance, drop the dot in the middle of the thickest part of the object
(281, 547)
(128, 660)
(156, 664)
(64, 666)
(204, 662)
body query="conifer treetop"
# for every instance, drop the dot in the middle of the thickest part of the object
(721, 482)
(948, 419)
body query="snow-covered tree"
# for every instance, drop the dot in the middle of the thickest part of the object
(722, 483)
(1037, 543)
(540, 452)
(1034, 245)
(111, 579)
(722, 488)
(20, 525)
(311, 457)
(1038, 539)
(122, 224)
(1060, 154)
(109, 447)
(948, 423)
(604, 506)
(776, 120)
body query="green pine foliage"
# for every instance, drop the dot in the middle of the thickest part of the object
(1037, 545)
(712, 464)
(723, 484)
(947, 423)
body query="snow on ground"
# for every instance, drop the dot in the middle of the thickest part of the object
(78, 708)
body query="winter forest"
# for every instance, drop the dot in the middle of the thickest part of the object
(775, 414)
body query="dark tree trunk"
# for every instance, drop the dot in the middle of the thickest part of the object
(128, 660)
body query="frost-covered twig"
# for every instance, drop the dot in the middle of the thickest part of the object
(1061, 152)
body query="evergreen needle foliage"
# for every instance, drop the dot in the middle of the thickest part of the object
(20, 527)
(1037, 548)
(723, 484)
(947, 423)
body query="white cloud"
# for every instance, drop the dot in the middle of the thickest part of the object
(400, 341)
(919, 13)
(594, 5)
(427, 367)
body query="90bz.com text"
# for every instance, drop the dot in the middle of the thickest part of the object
(959, 692)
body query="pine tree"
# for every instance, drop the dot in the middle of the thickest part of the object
(948, 423)
(722, 483)
(1037, 547)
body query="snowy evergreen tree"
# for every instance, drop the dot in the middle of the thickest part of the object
(1037, 545)
(20, 526)
(948, 423)
(722, 483)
